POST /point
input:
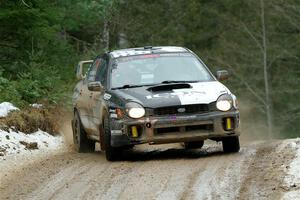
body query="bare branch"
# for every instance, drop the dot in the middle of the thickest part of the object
(25, 3)
(252, 36)
(247, 30)
(251, 90)
(293, 21)
(275, 58)
(248, 86)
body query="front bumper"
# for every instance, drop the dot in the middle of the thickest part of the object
(174, 128)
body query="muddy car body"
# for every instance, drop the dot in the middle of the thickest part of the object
(152, 95)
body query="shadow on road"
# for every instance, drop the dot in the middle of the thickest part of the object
(165, 154)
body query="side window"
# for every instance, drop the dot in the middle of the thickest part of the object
(93, 70)
(101, 73)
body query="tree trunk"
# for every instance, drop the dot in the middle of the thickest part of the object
(266, 74)
(106, 35)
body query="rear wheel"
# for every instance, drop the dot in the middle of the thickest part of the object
(194, 145)
(111, 153)
(231, 144)
(81, 142)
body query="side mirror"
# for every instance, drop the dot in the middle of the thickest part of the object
(95, 86)
(222, 75)
(79, 69)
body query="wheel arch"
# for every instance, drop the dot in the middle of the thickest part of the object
(101, 128)
(76, 111)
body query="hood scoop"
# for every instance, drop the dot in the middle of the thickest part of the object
(169, 87)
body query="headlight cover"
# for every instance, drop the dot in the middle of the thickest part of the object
(135, 110)
(235, 102)
(224, 102)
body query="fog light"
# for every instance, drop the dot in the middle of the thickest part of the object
(228, 124)
(134, 132)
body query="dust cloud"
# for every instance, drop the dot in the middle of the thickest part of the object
(253, 123)
(66, 129)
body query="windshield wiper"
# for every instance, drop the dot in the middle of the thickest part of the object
(130, 86)
(173, 81)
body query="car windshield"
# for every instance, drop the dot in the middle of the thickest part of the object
(154, 69)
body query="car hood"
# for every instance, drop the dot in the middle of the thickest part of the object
(197, 93)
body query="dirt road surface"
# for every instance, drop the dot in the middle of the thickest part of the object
(152, 172)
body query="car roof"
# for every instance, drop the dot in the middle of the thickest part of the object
(147, 50)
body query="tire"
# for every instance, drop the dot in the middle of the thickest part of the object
(128, 147)
(194, 145)
(231, 144)
(81, 142)
(111, 153)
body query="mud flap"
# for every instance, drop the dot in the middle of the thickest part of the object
(119, 140)
(102, 143)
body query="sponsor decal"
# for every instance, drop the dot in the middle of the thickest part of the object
(116, 132)
(106, 96)
(113, 115)
(162, 95)
(190, 97)
(186, 97)
(112, 110)
(150, 56)
(173, 117)
(200, 93)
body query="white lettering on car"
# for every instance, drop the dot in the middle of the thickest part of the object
(106, 96)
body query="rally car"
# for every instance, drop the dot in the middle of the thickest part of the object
(153, 95)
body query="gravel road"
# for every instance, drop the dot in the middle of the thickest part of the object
(152, 172)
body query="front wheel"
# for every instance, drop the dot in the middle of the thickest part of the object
(231, 144)
(111, 153)
(81, 142)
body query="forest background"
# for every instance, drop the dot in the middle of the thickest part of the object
(257, 41)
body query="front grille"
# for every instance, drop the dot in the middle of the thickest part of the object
(188, 109)
(205, 127)
(188, 128)
(166, 130)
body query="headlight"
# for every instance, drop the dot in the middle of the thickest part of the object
(224, 102)
(135, 110)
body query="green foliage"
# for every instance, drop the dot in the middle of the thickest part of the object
(36, 82)
(42, 41)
